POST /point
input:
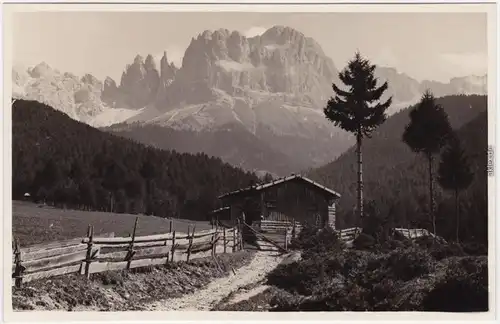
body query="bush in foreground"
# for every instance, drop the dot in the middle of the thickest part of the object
(385, 276)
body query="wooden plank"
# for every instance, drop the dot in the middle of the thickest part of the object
(63, 243)
(52, 272)
(52, 252)
(152, 238)
(96, 267)
(126, 245)
(110, 240)
(158, 250)
(54, 261)
(203, 239)
(114, 252)
(52, 245)
(138, 239)
(204, 234)
(201, 248)
(219, 249)
(178, 256)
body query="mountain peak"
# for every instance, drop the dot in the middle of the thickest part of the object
(138, 59)
(282, 30)
(41, 69)
(150, 64)
(282, 60)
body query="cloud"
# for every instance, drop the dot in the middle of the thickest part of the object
(466, 63)
(254, 31)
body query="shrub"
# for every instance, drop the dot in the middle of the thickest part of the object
(284, 301)
(382, 293)
(297, 277)
(364, 242)
(442, 251)
(426, 242)
(112, 277)
(391, 245)
(463, 288)
(304, 275)
(457, 294)
(354, 263)
(349, 298)
(475, 249)
(406, 264)
(318, 240)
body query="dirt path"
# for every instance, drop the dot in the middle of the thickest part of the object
(206, 298)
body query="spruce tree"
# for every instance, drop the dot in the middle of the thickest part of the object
(427, 133)
(358, 109)
(454, 174)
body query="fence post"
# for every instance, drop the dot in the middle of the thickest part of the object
(173, 247)
(234, 239)
(19, 268)
(224, 238)
(215, 236)
(90, 235)
(286, 238)
(131, 251)
(190, 238)
(240, 235)
(293, 229)
(171, 226)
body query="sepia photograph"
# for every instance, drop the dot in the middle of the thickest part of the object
(259, 159)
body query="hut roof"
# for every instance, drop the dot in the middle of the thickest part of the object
(215, 211)
(260, 187)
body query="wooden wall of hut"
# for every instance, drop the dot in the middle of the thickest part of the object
(295, 200)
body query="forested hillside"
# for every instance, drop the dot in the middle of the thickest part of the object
(65, 162)
(232, 143)
(396, 179)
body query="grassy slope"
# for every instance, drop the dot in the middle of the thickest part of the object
(32, 224)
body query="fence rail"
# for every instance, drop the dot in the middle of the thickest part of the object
(349, 234)
(93, 254)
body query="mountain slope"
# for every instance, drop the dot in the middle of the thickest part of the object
(396, 177)
(270, 88)
(60, 160)
(233, 144)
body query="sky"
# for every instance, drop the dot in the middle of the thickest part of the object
(429, 45)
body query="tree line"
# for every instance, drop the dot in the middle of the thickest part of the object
(65, 163)
(356, 107)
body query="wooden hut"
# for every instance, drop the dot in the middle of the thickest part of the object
(293, 198)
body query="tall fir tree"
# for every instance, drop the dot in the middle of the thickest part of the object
(427, 133)
(358, 109)
(454, 174)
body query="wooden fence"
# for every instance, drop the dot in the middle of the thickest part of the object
(349, 234)
(276, 233)
(93, 254)
(413, 232)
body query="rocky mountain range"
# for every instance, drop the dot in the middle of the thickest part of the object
(272, 86)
